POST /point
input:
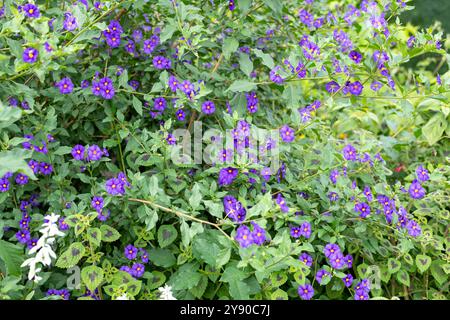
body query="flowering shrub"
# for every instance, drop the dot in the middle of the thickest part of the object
(222, 149)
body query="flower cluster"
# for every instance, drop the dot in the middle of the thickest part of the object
(132, 253)
(42, 250)
(247, 237)
(116, 186)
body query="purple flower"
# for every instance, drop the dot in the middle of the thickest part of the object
(180, 114)
(306, 17)
(30, 55)
(63, 293)
(106, 88)
(234, 209)
(361, 295)
(227, 176)
(34, 165)
(287, 133)
(258, 234)
(103, 215)
(160, 63)
(23, 236)
(416, 191)
(305, 229)
(126, 269)
(160, 104)
(334, 175)
(186, 86)
(333, 196)
(244, 236)
(137, 270)
(114, 186)
(356, 88)
(171, 139)
(306, 291)
(21, 179)
(130, 252)
(422, 173)
(363, 208)
(375, 85)
(348, 280)
(282, 203)
(65, 85)
(144, 256)
(355, 56)
(231, 5)
(320, 274)
(31, 10)
(410, 42)
(4, 184)
(306, 259)
(63, 226)
(32, 243)
(330, 249)
(70, 22)
(274, 76)
(295, 232)
(332, 87)
(349, 152)
(208, 107)
(337, 260)
(97, 203)
(368, 193)
(45, 168)
(173, 83)
(413, 228)
(78, 152)
(94, 153)
(305, 114)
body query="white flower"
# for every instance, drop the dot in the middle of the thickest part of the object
(165, 293)
(43, 251)
(123, 297)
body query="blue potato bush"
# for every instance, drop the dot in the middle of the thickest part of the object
(253, 149)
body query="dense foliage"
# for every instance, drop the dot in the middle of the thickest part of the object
(325, 166)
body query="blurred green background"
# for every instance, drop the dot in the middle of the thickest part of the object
(428, 11)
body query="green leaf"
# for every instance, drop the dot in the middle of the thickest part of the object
(94, 235)
(241, 86)
(162, 257)
(215, 209)
(423, 262)
(186, 277)
(62, 150)
(149, 216)
(437, 272)
(137, 105)
(71, 256)
(166, 235)
(403, 277)
(266, 58)
(9, 115)
(14, 160)
(245, 63)
(200, 288)
(279, 295)
(275, 5)
(109, 234)
(205, 247)
(92, 277)
(155, 279)
(168, 31)
(434, 128)
(134, 287)
(196, 197)
(229, 46)
(393, 265)
(11, 255)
